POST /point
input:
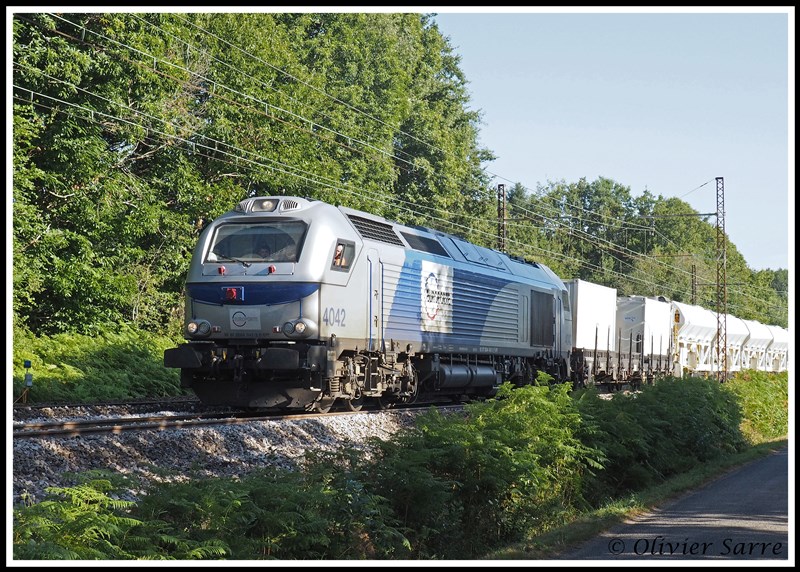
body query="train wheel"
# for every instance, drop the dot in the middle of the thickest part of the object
(355, 404)
(386, 402)
(324, 405)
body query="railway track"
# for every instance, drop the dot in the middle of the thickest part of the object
(112, 425)
(188, 401)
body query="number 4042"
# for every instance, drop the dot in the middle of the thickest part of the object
(334, 317)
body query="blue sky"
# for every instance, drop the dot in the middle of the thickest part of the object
(660, 101)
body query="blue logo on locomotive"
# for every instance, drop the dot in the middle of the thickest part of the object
(437, 297)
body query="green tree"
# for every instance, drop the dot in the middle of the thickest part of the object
(132, 131)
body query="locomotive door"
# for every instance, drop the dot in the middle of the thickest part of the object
(558, 321)
(375, 302)
(543, 319)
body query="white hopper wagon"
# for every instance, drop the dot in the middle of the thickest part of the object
(696, 332)
(754, 352)
(736, 335)
(778, 351)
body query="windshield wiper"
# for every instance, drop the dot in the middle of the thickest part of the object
(239, 260)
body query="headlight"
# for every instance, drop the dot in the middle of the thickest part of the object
(300, 328)
(198, 329)
(264, 205)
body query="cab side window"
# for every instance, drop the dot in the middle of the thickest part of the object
(343, 254)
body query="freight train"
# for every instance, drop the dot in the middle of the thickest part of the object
(621, 341)
(293, 303)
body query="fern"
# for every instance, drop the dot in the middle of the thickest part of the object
(83, 522)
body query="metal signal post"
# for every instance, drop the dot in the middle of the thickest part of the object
(501, 218)
(722, 287)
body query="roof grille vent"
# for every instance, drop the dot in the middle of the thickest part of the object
(375, 230)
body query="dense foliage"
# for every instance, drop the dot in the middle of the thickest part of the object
(764, 398)
(455, 487)
(133, 130)
(463, 485)
(663, 431)
(111, 364)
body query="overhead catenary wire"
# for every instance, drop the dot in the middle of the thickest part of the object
(612, 247)
(150, 57)
(289, 168)
(184, 69)
(93, 115)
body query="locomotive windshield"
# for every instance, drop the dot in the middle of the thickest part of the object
(273, 241)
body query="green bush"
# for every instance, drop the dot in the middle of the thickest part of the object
(666, 429)
(461, 484)
(115, 363)
(323, 512)
(85, 523)
(764, 398)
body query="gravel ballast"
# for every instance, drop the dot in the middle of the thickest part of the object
(172, 455)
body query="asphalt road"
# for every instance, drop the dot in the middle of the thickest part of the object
(742, 515)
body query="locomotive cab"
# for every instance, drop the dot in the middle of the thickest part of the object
(252, 314)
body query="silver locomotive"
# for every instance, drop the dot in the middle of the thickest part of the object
(298, 304)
